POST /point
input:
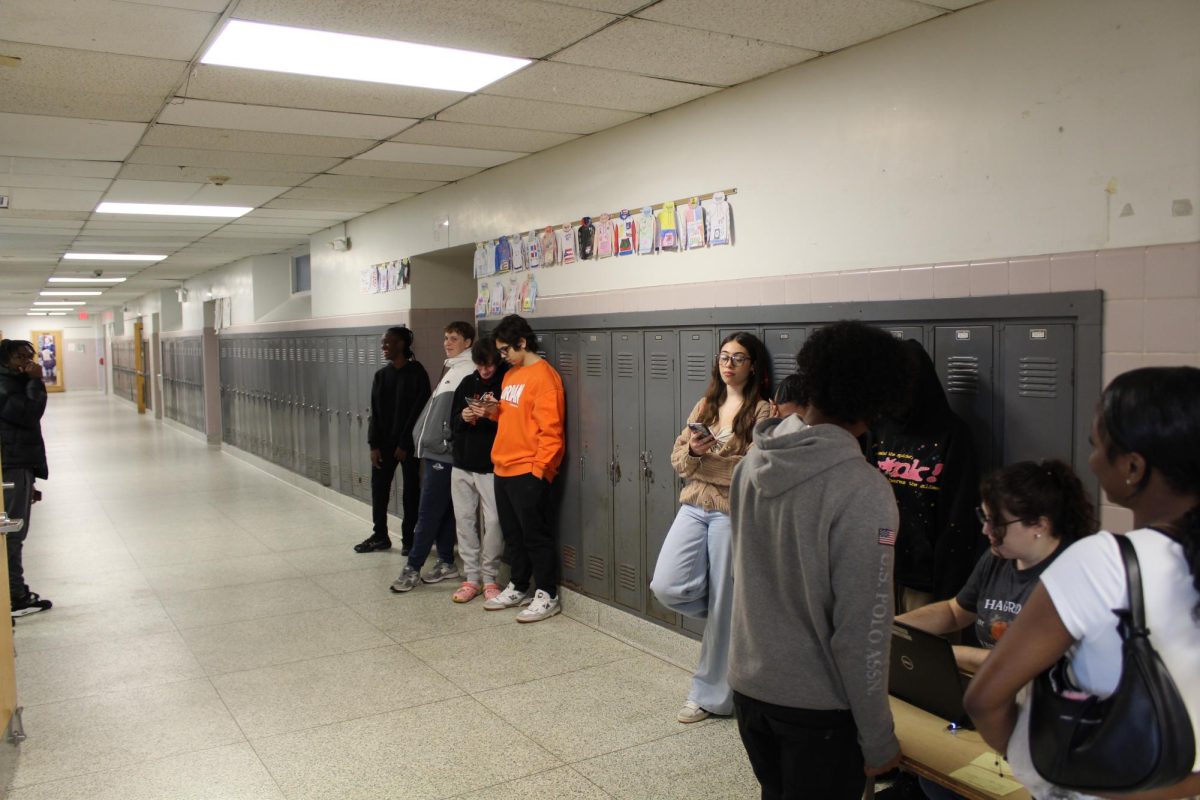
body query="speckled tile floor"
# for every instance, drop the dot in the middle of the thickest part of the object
(215, 638)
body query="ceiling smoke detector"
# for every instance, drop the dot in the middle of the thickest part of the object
(218, 180)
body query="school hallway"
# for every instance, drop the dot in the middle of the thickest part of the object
(215, 636)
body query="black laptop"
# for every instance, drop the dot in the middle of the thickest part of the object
(925, 674)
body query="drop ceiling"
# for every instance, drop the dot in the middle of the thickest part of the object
(114, 105)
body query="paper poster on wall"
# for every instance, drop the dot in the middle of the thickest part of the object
(393, 276)
(364, 280)
(384, 282)
(48, 352)
(405, 273)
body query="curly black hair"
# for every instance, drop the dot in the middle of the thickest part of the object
(9, 348)
(854, 372)
(1028, 490)
(512, 329)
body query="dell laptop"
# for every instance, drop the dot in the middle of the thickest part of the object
(925, 674)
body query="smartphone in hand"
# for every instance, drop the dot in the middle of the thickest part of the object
(700, 428)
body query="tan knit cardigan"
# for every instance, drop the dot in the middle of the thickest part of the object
(708, 476)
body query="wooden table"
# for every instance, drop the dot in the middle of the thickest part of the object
(933, 752)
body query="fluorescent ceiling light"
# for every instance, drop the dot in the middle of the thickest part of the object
(110, 257)
(37, 313)
(59, 303)
(168, 210)
(275, 48)
(68, 293)
(56, 313)
(87, 280)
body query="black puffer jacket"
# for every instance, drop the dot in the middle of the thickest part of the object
(22, 404)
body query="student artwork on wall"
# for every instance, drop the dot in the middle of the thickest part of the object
(48, 351)
(386, 276)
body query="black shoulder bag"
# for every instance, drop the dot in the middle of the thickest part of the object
(1139, 738)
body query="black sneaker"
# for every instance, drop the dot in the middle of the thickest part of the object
(30, 604)
(405, 549)
(371, 544)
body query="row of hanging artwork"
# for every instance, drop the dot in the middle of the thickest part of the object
(388, 276)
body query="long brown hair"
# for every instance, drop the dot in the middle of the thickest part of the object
(757, 389)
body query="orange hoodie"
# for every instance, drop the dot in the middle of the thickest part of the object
(529, 433)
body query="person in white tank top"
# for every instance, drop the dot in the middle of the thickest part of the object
(1146, 454)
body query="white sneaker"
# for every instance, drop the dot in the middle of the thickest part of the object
(543, 606)
(507, 599)
(692, 712)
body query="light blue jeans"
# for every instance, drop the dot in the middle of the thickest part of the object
(694, 576)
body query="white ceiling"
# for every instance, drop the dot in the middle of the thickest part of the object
(109, 102)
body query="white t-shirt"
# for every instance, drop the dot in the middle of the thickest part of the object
(1088, 581)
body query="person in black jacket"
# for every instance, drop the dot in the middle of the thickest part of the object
(929, 458)
(22, 458)
(471, 485)
(398, 393)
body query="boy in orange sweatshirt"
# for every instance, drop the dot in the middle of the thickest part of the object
(527, 453)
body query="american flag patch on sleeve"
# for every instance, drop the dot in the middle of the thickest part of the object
(887, 536)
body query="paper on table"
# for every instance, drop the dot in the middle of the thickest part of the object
(985, 779)
(993, 763)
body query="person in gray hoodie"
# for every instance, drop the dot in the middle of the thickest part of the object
(435, 519)
(814, 534)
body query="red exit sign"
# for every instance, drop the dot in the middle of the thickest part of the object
(83, 315)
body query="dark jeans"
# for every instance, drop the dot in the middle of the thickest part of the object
(381, 495)
(524, 506)
(801, 753)
(18, 502)
(435, 522)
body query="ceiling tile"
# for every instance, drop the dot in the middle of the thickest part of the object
(59, 137)
(399, 169)
(684, 54)
(82, 83)
(234, 85)
(281, 226)
(17, 213)
(269, 214)
(527, 28)
(431, 154)
(243, 177)
(125, 191)
(355, 183)
(176, 156)
(108, 26)
(54, 199)
(824, 25)
(304, 193)
(604, 88)
(53, 182)
(488, 137)
(325, 205)
(50, 226)
(215, 6)
(536, 114)
(611, 6)
(271, 119)
(252, 141)
(58, 166)
(953, 5)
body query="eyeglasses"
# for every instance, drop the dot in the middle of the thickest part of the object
(984, 519)
(503, 350)
(737, 359)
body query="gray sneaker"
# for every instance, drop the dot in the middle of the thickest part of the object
(409, 579)
(440, 572)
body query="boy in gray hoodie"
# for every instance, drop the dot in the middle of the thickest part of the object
(814, 533)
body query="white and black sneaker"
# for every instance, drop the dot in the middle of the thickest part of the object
(509, 598)
(543, 606)
(31, 603)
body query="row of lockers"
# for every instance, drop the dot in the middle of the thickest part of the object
(124, 369)
(182, 368)
(303, 402)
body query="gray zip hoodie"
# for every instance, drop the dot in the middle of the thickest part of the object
(432, 429)
(813, 540)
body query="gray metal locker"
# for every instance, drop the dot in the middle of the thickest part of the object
(903, 332)
(697, 349)
(1038, 392)
(662, 425)
(965, 365)
(596, 461)
(570, 539)
(628, 527)
(723, 332)
(345, 396)
(783, 344)
(327, 424)
(546, 345)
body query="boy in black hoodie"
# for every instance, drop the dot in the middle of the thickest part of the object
(471, 486)
(929, 458)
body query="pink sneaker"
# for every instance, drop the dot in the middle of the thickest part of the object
(490, 590)
(465, 593)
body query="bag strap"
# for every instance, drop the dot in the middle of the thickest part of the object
(1133, 622)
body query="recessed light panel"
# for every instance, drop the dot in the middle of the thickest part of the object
(110, 256)
(68, 293)
(59, 303)
(86, 280)
(167, 210)
(275, 48)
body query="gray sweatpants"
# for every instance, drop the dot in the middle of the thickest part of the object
(471, 491)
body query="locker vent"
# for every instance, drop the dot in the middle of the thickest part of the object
(570, 557)
(783, 365)
(698, 367)
(660, 367)
(593, 365)
(627, 577)
(626, 366)
(362, 356)
(596, 567)
(566, 363)
(341, 355)
(962, 375)
(1038, 377)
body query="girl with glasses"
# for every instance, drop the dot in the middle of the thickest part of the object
(692, 575)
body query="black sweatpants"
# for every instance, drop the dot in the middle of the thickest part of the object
(801, 753)
(524, 505)
(381, 494)
(18, 501)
